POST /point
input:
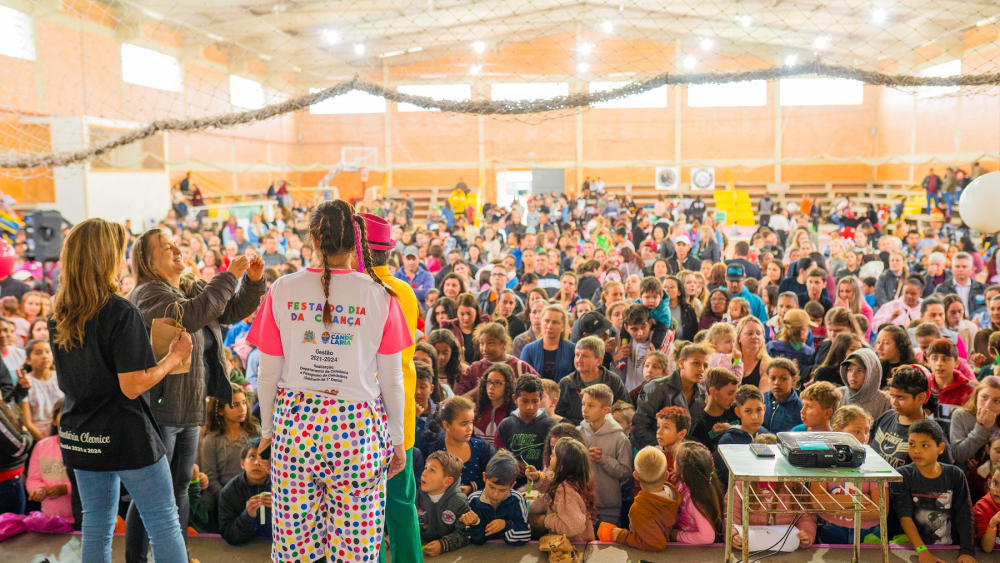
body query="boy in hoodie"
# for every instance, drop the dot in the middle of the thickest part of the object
(497, 511)
(654, 511)
(609, 449)
(441, 505)
(523, 432)
(750, 409)
(242, 499)
(861, 373)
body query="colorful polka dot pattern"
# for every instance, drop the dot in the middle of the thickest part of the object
(329, 465)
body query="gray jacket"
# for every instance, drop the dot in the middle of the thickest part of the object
(657, 394)
(869, 397)
(615, 465)
(179, 400)
(967, 437)
(439, 520)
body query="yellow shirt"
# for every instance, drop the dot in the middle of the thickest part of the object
(457, 199)
(411, 310)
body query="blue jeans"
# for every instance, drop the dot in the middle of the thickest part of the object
(12, 497)
(948, 198)
(834, 534)
(182, 448)
(150, 488)
(935, 198)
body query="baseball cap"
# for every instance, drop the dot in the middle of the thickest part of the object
(594, 323)
(682, 238)
(735, 272)
(411, 251)
(797, 318)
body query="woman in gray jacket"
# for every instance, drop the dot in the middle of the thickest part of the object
(178, 401)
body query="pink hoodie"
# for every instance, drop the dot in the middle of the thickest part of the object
(693, 528)
(46, 469)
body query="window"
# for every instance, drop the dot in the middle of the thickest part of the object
(144, 67)
(246, 93)
(17, 35)
(950, 68)
(820, 92)
(655, 98)
(734, 94)
(453, 92)
(354, 101)
(528, 91)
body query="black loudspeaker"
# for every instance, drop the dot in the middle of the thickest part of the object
(45, 239)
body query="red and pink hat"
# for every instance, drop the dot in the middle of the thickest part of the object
(379, 232)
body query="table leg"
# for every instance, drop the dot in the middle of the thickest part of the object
(746, 522)
(857, 521)
(728, 530)
(883, 524)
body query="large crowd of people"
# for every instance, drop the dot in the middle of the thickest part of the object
(558, 365)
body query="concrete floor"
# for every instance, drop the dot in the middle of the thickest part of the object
(35, 548)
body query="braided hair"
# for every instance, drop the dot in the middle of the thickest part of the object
(333, 226)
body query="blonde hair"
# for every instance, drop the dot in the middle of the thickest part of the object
(848, 414)
(601, 392)
(91, 258)
(651, 467)
(718, 331)
(824, 393)
(743, 304)
(551, 388)
(625, 408)
(854, 305)
(762, 354)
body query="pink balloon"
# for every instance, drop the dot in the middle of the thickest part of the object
(7, 258)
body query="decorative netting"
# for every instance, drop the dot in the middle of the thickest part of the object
(137, 84)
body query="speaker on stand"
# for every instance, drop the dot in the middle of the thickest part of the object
(44, 240)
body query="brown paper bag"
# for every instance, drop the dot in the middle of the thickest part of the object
(162, 334)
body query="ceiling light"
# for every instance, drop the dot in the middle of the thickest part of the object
(706, 44)
(330, 36)
(745, 21)
(359, 48)
(155, 15)
(690, 62)
(587, 48)
(822, 42)
(215, 37)
(474, 69)
(607, 27)
(791, 60)
(479, 47)
(583, 67)
(264, 57)
(879, 15)
(414, 49)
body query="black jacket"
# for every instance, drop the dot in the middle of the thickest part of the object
(570, 404)
(655, 395)
(235, 523)
(688, 322)
(977, 297)
(690, 263)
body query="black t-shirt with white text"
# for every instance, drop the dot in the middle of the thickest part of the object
(101, 429)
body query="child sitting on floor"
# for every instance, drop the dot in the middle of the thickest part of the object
(441, 505)
(654, 510)
(569, 504)
(242, 499)
(672, 427)
(932, 502)
(47, 481)
(498, 511)
(700, 518)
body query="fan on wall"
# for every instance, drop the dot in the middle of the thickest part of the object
(668, 178)
(703, 178)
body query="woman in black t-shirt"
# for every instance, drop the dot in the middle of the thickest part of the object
(105, 363)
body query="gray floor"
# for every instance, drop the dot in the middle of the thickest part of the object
(34, 548)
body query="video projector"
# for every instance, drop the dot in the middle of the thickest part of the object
(821, 449)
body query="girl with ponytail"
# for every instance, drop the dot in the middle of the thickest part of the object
(323, 335)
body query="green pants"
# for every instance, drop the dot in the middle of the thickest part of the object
(401, 525)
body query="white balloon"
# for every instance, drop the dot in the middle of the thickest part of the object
(980, 203)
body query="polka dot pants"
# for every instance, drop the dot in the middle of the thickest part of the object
(329, 459)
